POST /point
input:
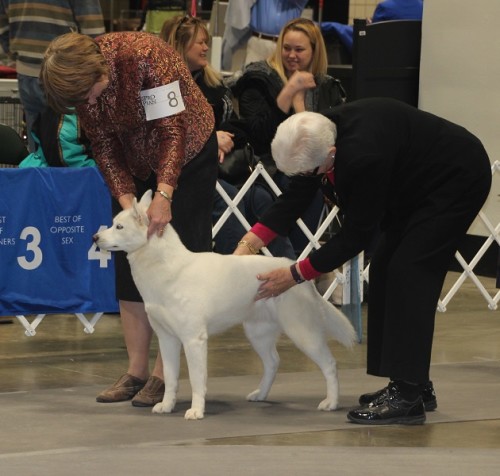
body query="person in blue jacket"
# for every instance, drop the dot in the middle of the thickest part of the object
(384, 11)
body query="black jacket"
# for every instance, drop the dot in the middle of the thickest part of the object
(257, 90)
(390, 158)
(220, 98)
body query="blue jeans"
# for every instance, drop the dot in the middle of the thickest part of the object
(33, 101)
(256, 201)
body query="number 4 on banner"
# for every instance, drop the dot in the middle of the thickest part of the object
(100, 255)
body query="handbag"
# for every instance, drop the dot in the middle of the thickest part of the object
(238, 165)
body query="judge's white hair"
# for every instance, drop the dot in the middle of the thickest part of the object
(302, 142)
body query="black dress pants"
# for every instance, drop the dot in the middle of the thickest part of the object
(407, 272)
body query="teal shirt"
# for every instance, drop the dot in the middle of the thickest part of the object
(72, 151)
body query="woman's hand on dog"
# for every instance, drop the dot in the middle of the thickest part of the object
(274, 283)
(159, 214)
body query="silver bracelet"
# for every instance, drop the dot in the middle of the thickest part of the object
(165, 195)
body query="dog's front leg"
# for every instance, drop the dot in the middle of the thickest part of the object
(170, 349)
(196, 356)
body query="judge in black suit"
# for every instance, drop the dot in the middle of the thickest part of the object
(416, 180)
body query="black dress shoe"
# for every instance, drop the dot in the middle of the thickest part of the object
(390, 408)
(428, 397)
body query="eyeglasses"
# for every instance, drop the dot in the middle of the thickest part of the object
(309, 173)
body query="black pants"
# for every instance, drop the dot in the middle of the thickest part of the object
(191, 212)
(407, 272)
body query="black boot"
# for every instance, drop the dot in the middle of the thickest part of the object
(428, 397)
(390, 408)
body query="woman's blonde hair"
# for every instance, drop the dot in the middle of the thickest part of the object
(71, 66)
(180, 32)
(319, 61)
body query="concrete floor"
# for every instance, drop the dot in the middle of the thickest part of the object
(51, 424)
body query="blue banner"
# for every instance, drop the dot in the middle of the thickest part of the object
(48, 262)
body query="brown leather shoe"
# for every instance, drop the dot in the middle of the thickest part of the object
(151, 394)
(123, 389)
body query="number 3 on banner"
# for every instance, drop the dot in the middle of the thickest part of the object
(33, 246)
(102, 256)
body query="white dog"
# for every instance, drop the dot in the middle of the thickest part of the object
(189, 296)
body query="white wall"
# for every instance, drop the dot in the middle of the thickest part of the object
(460, 74)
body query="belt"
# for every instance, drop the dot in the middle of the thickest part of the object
(263, 36)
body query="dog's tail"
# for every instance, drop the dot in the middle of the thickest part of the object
(338, 325)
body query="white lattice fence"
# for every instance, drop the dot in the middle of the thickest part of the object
(313, 237)
(468, 268)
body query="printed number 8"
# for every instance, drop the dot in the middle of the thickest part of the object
(172, 99)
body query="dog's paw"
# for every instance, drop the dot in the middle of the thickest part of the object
(194, 414)
(163, 407)
(255, 396)
(327, 405)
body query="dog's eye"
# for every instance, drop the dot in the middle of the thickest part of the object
(119, 227)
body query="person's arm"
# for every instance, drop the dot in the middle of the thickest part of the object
(291, 204)
(4, 28)
(231, 123)
(108, 152)
(237, 29)
(293, 92)
(88, 16)
(229, 136)
(250, 244)
(126, 200)
(281, 216)
(225, 143)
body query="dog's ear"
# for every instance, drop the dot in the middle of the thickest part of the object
(146, 199)
(140, 211)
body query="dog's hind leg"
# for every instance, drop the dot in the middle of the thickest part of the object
(196, 356)
(170, 349)
(328, 366)
(263, 335)
(299, 316)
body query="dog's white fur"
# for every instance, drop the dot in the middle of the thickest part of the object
(189, 296)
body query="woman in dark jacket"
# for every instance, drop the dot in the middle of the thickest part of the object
(421, 181)
(190, 38)
(294, 79)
